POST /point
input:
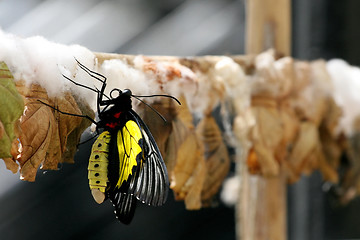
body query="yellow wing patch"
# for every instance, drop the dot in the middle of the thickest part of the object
(128, 145)
(98, 162)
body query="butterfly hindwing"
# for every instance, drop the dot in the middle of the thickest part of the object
(152, 183)
(125, 205)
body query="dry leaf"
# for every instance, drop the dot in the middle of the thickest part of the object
(187, 169)
(45, 130)
(11, 163)
(74, 136)
(37, 125)
(290, 124)
(310, 164)
(266, 134)
(305, 143)
(329, 173)
(188, 174)
(185, 163)
(216, 157)
(64, 125)
(158, 127)
(194, 184)
(181, 126)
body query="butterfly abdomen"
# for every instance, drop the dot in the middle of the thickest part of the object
(98, 166)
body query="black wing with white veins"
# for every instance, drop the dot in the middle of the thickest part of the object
(151, 185)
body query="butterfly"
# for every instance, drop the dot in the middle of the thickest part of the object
(125, 163)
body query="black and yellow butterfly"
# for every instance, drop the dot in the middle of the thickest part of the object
(125, 164)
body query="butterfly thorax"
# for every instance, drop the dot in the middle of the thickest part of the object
(115, 117)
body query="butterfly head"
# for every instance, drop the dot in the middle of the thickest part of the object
(121, 99)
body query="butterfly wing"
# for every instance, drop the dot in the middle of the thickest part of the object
(124, 204)
(130, 152)
(151, 184)
(136, 169)
(125, 156)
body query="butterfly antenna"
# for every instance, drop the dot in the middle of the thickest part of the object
(161, 116)
(159, 95)
(70, 114)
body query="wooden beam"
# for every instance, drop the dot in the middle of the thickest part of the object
(261, 210)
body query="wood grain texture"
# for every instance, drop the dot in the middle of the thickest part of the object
(261, 208)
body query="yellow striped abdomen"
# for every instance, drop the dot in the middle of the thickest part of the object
(98, 163)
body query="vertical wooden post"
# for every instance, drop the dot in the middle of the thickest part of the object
(261, 210)
(268, 25)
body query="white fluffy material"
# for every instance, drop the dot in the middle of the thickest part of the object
(230, 191)
(37, 60)
(123, 76)
(346, 81)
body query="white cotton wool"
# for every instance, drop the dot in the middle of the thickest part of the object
(11, 54)
(235, 81)
(346, 81)
(122, 76)
(37, 60)
(230, 191)
(163, 81)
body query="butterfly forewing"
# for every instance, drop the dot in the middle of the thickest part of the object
(129, 150)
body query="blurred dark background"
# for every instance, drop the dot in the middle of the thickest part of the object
(59, 204)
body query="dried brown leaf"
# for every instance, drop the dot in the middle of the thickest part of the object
(176, 138)
(290, 124)
(37, 125)
(310, 164)
(186, 161)
(65, 124)
(74, 136)
(306, 142)
(11, 165)
(187, 169)
(188, 175)
(216, 157)
(266, 134)
(290, 173)
(45, 130)
(159, 129)
(182, 125)
(329, 173)
(194, 185)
